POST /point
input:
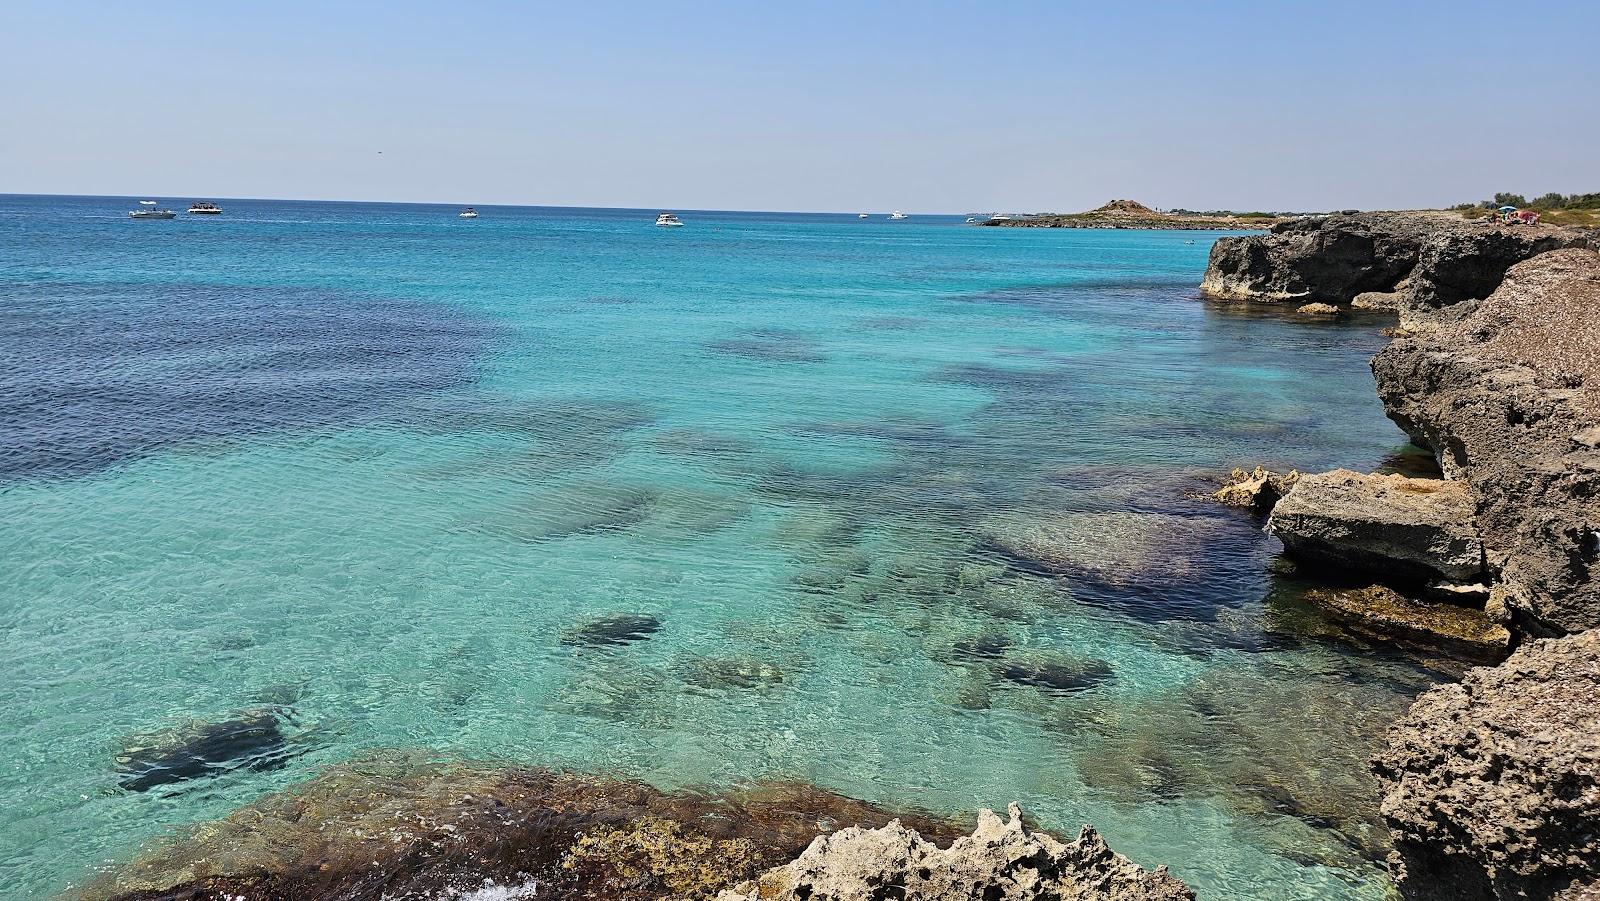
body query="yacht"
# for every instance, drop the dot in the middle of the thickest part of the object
(897, 215)
(999, 217)
(667, 220)
(204, 207)
(972, 220)
(468, 213)
(147, 210)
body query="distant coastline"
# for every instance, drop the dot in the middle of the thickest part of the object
(1133, 214)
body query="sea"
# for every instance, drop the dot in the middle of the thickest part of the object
(913, 511)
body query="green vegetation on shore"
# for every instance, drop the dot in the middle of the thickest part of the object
(1557, 209)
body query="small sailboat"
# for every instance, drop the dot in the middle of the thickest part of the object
(147, 210)
(468, 213)
(204, 208)
(897, 215)
(668, 220)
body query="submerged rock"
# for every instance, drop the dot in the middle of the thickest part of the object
(250, 740)
(1258, 490)
(1388, 525)
(1508, 398)
(1066, 675)
(612, 631)
(406, 825)
(1114, 548)
(1492, 786)
(1385, 614)
(997, 862)
(733, 672)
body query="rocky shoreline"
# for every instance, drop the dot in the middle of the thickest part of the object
(1491, 786)
(1133, 214)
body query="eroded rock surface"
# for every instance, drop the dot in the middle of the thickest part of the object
(1389, 525)
(1383, 613)
(1508, 396)
(1493, 784)
(999, 861)
(1426, 260)
(1258, 490)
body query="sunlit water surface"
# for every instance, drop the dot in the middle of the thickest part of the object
(371, 462)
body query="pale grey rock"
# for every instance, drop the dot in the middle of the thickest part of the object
(999, 861)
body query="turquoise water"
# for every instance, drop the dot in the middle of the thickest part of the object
(372, 463)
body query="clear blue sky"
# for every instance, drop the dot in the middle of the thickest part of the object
(1015, 106)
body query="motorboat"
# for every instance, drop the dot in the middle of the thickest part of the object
(148, 210)
(897, 215)
(999, 217)
(468, 213)
(204, 208)
(668, 220)
(862, 216)
(972, 220)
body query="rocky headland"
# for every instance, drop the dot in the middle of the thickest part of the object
(1133, 214)
(1490, 785)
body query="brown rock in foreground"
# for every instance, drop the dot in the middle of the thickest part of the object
(1506, 393)
(1492, 785)
(1385, 614)
(997, 862)
(406, 825)
(1388, 525)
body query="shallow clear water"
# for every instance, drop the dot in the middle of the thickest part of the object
(372, 462)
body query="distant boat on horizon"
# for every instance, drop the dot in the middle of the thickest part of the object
(147, 210)
(668, 220)
(861, 216)
(204, 208)
(897, 215)
(468, 213)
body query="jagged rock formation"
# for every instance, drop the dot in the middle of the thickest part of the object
(1387, 525)
(1492, 785)
(997, 862)
(1257, 490)
(1507, 394)
(1428, 260)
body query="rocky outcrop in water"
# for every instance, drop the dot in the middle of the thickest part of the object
(1133, 214)
(252, 739)
(1381, 612)
(406, 825)
(1389, 525)
(1492, 785)
(1507, 395)
(1258, 490)
(999, 861)
(1419, 261)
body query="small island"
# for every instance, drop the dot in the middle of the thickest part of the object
(1133, 214)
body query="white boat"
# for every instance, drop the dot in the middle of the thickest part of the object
(999, 217)
(468, 213)
(972, 220)
(862, 216)
(148, 210)
(204, 208)
(147, 203)
(667, 220)
(897, 215)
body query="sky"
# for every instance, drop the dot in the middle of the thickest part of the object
(925, 107)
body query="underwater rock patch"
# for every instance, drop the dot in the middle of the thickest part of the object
(1056, 674)
(1114, 548)
(612, 631)
(404, 825)
(252, 739)
(1384, 614)
(771, 346)
(733, 672)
